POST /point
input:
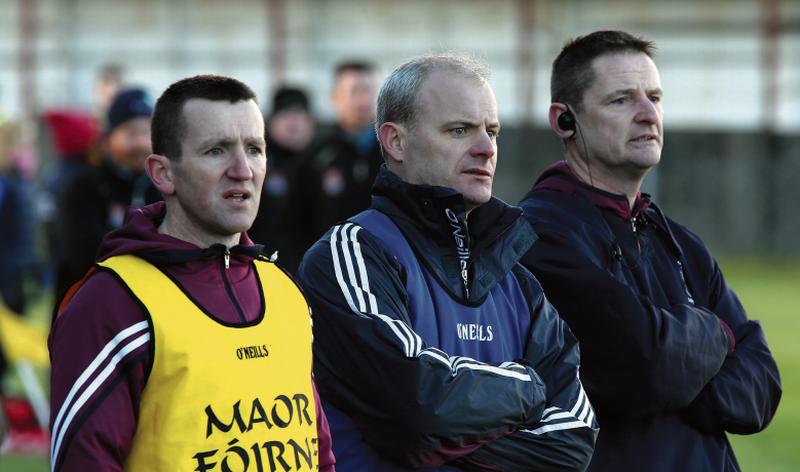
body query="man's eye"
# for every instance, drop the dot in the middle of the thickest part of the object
(215, 151)
(458, 131)
(619, 101)
(493, 133)
(655, 98)
(255, 150)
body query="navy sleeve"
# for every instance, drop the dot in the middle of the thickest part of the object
(415, 404)
(563, 440)
(637, 358)
(743, 396)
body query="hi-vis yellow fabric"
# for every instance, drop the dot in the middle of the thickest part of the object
(220, 397)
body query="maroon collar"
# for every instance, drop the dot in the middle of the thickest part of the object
(561, 178)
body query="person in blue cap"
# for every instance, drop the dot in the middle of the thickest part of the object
(94, 201)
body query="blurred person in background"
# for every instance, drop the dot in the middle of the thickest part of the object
(290, 128)
(668, 355)
(185, 348)
(94, 201)
(108, 82)
(73, 138)
(17, 219)
(338, 172)
(18, 257)
(434, 349)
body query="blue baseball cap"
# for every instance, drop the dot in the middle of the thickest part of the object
(128, 104)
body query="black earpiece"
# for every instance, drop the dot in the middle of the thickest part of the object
(566, 121)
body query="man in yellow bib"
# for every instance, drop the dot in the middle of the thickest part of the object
(185, 348)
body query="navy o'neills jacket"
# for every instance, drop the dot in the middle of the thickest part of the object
(669, 357)
(434, 348)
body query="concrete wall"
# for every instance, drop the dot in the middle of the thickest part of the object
(721, 173)
(736, 190)
(711, 53)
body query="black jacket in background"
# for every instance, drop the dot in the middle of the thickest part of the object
(90, 205)
(274, 224)
(655, 319)
(334, 182)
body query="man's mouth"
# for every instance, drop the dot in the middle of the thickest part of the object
(478, 172)
(645, 138)
(237, 196)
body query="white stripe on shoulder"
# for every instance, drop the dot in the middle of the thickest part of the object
(59, 428)
(347, 236)
(352, 276)
(345, 272)
(362, 269)
(337, 267)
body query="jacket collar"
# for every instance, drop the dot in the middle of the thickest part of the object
(433, 219)
(139, 235)
(560, 177)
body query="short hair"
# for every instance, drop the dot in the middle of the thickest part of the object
(572, 69)
(111, 73)
(168, 127)
(352, 66)
(397, 99)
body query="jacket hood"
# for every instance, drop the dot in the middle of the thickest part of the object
(139, 236)
(561, 178)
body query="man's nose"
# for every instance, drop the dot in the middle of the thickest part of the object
(239, 168)
(484, 146)
(648, 111)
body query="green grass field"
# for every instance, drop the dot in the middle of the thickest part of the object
(771, 293)
(770, 290)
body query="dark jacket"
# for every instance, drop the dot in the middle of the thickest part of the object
(334, 182)
(274, 226)
(90, 205)
(91, 326)
(17, 241)
(669, 358)
(435, 347)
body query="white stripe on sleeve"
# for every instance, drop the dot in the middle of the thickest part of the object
(59, 430)
(353, 270)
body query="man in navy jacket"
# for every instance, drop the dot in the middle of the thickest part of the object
(434, 348)
(669, 358)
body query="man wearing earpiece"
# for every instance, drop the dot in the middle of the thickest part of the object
(668, 355)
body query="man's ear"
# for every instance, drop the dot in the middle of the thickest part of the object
(159, 169)
(556, 110)
(393, 140)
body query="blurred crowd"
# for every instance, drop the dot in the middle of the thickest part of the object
(68, 175)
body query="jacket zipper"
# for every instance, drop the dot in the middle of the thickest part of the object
(636, 235)
(685, 285)
(226, 264)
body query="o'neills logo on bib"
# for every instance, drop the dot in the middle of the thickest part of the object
(252, 352)
(298, 452)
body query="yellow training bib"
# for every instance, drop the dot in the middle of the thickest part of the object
(221, 397)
